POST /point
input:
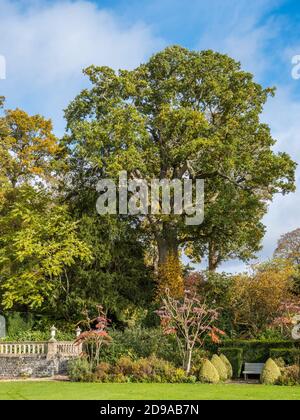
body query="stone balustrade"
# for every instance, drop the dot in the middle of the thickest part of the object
(24, 348)
(48, 349)
(37, 359)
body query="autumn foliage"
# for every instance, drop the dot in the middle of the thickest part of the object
(256, 299)
(191, 321)
(170, 277)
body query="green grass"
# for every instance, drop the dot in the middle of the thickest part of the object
(81, 391)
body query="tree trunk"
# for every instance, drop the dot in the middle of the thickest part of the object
(188, 360)
(213, 257)
(167, 245)
(169, 265)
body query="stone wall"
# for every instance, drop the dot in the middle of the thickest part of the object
(37, 366)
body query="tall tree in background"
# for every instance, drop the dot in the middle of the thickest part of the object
(288, 248)
(38, 238)
(184, 114)
(28, 149)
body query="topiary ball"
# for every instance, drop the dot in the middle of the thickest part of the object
(220, 366)
(208, 373)
(228, 366)
(271, 373)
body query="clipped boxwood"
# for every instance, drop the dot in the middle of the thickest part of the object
(271, 373)
(220, 366)
(258, 351)
(235, 357)
(208, 373)
(228, 366)
(290, 356)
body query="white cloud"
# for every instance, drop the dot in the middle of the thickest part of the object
(239, 31)
(47, 45)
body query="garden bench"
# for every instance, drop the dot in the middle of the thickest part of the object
(253, 369)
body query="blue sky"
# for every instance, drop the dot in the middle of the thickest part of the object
(47, 43)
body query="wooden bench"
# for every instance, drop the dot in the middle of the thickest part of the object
(253, 369)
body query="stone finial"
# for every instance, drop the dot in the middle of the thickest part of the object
(53, 333)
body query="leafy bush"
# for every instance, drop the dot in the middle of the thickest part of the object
(235, 357)
(280, 362)
(228, 366)
(220, 366)
(290, 356)
(141, 370)
(18, 324)
(102, 372)
(32, 335)
(199, 357)
(208, 373)
(290, 376)
(79, 370)
(141, 343)
(271, 373)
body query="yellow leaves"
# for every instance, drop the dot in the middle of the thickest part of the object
(170, 277)
(28, 148)
(256, 298)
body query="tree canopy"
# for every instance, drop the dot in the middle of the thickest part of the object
(185, 114)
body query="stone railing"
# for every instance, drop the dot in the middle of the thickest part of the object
(49, 349)
(24, 348)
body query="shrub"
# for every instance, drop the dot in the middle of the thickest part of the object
(198, 359)
(220, 366)
(141, 343)
(279, 362)
(228, 366)
(290, 356)
(290, 376)
(257, 351)
(271, 373)
(235, 357)
(208, 373)
(79, 370)
(102, 372)
(151, 369)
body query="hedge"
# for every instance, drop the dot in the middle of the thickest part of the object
(235, 357)
(257, 351)
(290, 356)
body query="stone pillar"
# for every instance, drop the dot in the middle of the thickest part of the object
(52, 345)
(2, 327)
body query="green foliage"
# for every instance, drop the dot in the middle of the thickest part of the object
(141, 343)
(228, 366)
(271, 373)
(117, 276)
(220, 366)
(257, 351)
(235, 357)
(208, 373)
(290, 356)
(18, 324)
(184, 112)
(38, 243)
(79, 370)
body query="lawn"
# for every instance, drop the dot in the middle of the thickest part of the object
(85, 391)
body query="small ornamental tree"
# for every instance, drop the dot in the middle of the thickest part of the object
(286, 313)
(191, 321)
(95, 337)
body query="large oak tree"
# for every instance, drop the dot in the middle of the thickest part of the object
(184, 114)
